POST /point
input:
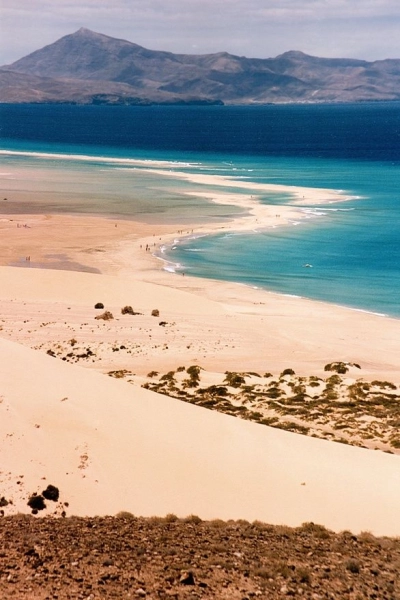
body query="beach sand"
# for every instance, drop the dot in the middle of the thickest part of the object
(110, 446)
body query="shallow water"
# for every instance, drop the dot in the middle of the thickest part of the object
(353, 247)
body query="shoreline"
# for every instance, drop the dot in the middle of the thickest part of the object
(303, 333)
(101, 439)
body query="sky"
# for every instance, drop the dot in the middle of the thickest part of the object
(365, 29)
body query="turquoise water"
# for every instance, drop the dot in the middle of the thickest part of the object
(353, 246)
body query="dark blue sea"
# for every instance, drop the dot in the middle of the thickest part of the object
(129, 161)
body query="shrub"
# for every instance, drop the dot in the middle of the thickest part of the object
(262, 572)
(318, 531)
(168, 376)
(124, 514)
(128, 310)
(216, 390)
(171, 518)
(193, 371)
(303, 575)
(353, 566)
(106, 316)
(152, 374)
(287, 372)
(194, 374)
(333, 380)
(217, 524)
(193, 519)
(338, 367)
(120, 374)
(383, 384)
(234, 379)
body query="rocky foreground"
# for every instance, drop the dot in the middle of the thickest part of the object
(128, 557)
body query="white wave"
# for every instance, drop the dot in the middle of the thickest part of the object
(368, 312)
(292, 295)
(90, 158)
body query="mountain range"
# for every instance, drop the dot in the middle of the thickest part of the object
(91, 68)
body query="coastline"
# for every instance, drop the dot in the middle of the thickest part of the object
(74, 427)
(302, 334)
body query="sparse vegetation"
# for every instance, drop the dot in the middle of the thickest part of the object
(128, 310)
(234, 379)
(362, 413)
(287, 372)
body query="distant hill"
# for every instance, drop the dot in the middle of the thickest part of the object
(91, 68)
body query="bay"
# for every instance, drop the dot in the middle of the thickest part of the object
(77, 159)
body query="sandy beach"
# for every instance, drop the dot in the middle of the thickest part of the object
(111, 446)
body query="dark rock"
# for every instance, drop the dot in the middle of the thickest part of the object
(51, 493)
(99, 305)
(187, 578)
(36, 502)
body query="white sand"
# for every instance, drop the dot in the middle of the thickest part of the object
(111, 447)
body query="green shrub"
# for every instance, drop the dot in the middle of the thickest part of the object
(287, 372)
(234, 379)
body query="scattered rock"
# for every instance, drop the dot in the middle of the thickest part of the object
(155, 312)
(51, 493)
(187, 578)
(120, 557)
(36, 502)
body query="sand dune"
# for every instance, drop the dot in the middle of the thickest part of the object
(110, 447)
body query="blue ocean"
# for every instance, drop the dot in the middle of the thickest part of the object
(121, 161)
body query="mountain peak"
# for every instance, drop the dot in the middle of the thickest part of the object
(87, 33)
(294, 54)
(132, 73)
